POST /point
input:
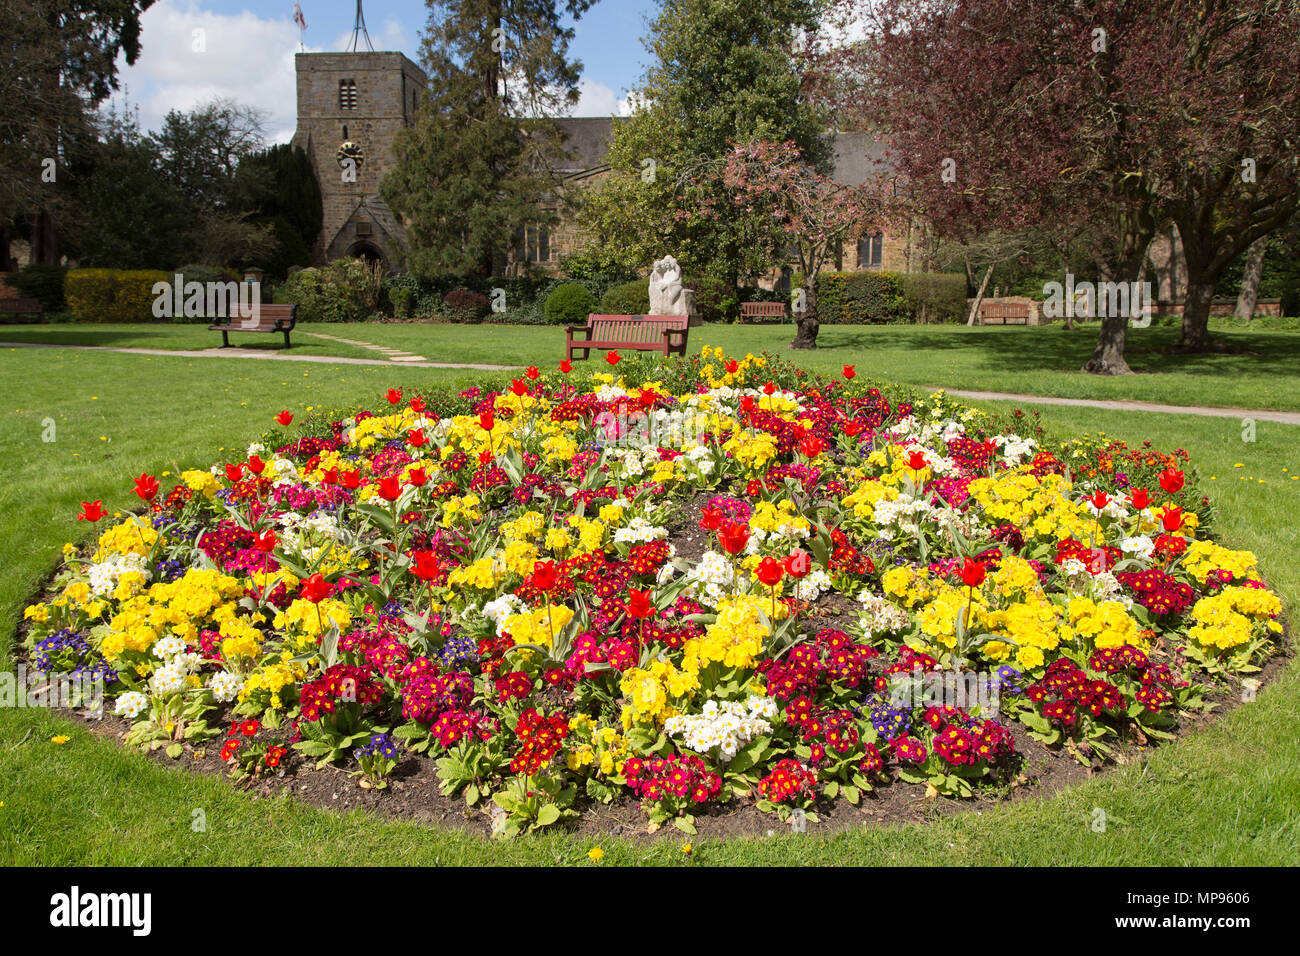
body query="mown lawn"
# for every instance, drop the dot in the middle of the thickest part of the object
(1227, 795)
(1036, 361)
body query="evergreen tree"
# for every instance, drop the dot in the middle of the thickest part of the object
(725, 72)
(472, 170)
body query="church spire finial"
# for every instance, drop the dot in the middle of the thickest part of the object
(359, 32)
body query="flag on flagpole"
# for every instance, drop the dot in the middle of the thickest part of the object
(299, 19)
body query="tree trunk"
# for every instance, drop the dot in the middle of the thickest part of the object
(1196, 313)
(806, 320)
(1249, 294)
(979, 296)
(1108, 356)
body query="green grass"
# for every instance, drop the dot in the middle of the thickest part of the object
(1227, 795)
(1035, 361)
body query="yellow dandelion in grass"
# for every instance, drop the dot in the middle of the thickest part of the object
(60, 739)
(595, 854)
(687, 849)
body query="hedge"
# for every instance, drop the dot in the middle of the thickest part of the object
(113, 295)
(876, 298)
(930, 297)
(42, 283)
(569, 304)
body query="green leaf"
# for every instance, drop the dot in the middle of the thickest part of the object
(548, 815)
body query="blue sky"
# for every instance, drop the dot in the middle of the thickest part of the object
(195, 50)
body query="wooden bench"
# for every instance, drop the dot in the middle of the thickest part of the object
(1004, 313)
(20, 306)
(642, 333)
(270, 318)
(760, 310)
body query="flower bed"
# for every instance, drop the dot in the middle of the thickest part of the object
(694, 586)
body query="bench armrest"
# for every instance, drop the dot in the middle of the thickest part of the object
(571, 329)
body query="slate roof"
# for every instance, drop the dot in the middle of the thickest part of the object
(587, 138)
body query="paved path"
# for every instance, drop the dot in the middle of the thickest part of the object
(1209, 411)
(393, 355)
(406, 361)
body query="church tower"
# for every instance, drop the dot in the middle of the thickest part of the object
(350, 108)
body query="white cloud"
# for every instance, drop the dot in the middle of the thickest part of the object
(597, 99)
(241, 56)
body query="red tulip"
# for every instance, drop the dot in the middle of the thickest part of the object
(545, 576)
(566, 366)
(418, 405)
(256, 465)
(426, 566)
(733, 536)
(284, 418)
(416, 437)
(797, 564)
(853, 429)
(972, 573)
(916, 460)
(352, 479)
(486, 420)
(532, 373)
(1140, 498)
(770, 572)
(747, 404)
(1099, 499)
(91, 511)
(265, 542)
(812, 446)
(390, 489)
(648, 398)
(314, 589)
(394, 396)
(234, 472)
(146, 486)
(417, 477)
(518, 387)
(612, 357)
(769, 388)
(638, 604)
(329, 476)
(485, 457)
(732, 366)
(711, 518)
(1172, 518)
(849, 371)
(1171, 480)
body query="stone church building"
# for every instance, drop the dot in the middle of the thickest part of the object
(352, 105)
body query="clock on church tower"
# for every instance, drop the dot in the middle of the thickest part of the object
(350, 151)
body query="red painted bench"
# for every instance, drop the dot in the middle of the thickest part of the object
(760, 310)
(642, 333)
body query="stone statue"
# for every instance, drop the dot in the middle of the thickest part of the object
(667, 297)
